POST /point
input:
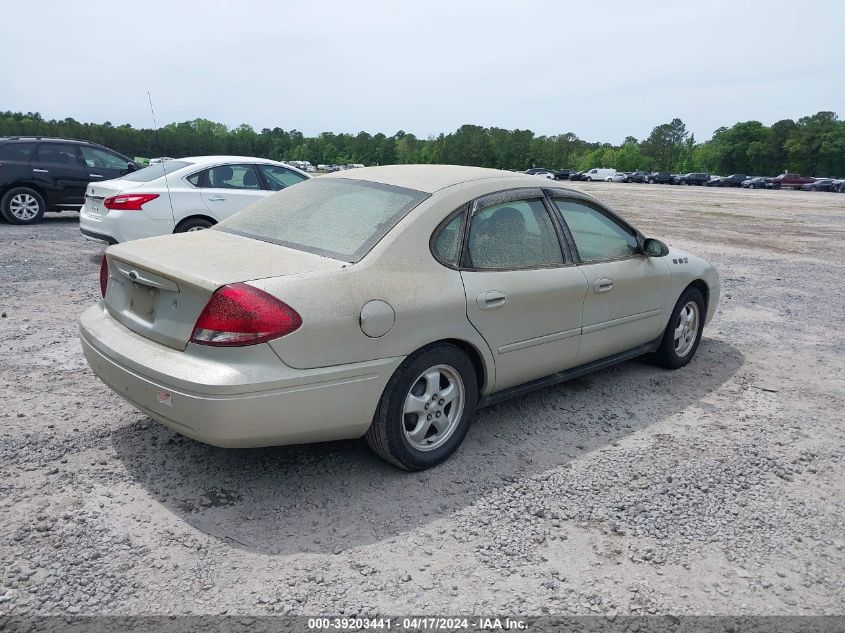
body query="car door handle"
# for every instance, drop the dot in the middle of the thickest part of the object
(603, 285)
(216, 198)
(491, 299)
(96, 175)
(41, 171)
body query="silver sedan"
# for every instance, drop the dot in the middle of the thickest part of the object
(388, 302)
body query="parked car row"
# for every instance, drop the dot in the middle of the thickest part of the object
(701, 179)
(331, 167)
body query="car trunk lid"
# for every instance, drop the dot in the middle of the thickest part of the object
(97, 192)
(158, 287)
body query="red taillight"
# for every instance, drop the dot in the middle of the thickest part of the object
(104, 276)
(239, 314)
(129, 201)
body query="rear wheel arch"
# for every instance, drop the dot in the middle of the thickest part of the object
(473, 353)
(28, 185)
(188, 219)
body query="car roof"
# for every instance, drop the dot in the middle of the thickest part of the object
(202, 160)
(429, 178)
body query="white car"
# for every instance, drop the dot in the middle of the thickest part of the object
(619, 176)
(596, 173)
(181, 195)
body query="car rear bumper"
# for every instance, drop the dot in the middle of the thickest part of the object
(121, 226)
(233, 397)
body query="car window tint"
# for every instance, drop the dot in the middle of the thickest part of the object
(513, 235)
(148, 174)
(197, 178)
(233, 177)
(57, 153)
(447, 242)
(96, 157)
(278, 177)
(338, 218)
(596, 235)
(16, 151)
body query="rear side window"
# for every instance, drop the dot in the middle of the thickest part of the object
(337, 218)
(57, 153)
(446, 244)
(148, 174)
(513, 235)
(16, 151)
(231, 177)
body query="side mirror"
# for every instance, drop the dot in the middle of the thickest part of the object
(655, 248)
(131, 167)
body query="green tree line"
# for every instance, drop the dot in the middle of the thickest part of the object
(812, 145)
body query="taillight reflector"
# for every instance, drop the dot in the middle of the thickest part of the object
(129, 201)
(104, 276)
(240, 314)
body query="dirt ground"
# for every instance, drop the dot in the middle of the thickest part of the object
(716, 489)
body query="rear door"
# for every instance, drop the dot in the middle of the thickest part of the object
(627, 290)
(226, 189)
(523, 294)
(58, 170)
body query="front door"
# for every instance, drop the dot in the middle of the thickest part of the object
(226, 189)
(103, 164)
(522, 295)
(627, 291)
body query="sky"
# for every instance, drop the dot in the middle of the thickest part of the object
(601, 69)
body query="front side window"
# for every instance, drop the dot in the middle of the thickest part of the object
(58, 153)
(513, 235)
(232, 177)
(100, 158)
(597, 236)
(333, 217)
(278, 177)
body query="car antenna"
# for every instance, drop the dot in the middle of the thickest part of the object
(163, 170)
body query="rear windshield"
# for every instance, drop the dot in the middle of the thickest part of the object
(337, 218)
(148, 174)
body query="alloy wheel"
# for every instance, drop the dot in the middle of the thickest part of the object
(24, 207)
(433, 407)
(686, 329)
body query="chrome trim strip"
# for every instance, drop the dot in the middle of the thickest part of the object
(587, 329)
(540, 340)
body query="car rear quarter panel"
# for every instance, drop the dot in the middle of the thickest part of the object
(428, 298)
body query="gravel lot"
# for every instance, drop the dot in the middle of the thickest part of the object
(716, 489)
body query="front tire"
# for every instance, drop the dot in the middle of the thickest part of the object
(22, 205)
(426, 409)
(683, 332)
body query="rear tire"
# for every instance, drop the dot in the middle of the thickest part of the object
(436, 384)
(683, 332)
(193, 224)
(22, 205)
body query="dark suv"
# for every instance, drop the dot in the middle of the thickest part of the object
(695, 178)
(660, 178)
(51, 174)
